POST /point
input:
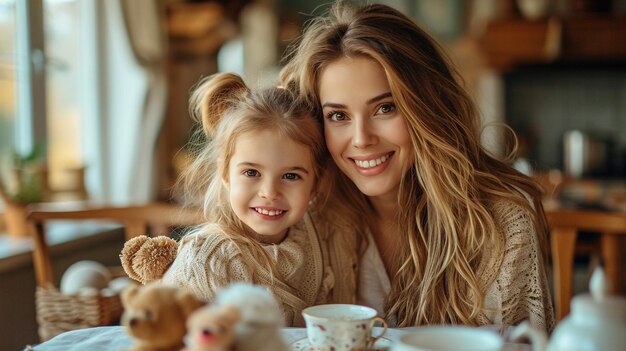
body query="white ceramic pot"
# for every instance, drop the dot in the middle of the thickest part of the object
(597, 322)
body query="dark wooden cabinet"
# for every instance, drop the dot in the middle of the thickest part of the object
(595, 38)
(586, 39)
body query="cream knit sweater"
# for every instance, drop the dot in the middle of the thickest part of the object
(517, 286)
(318, 263)
(515, 282)
(308, 268)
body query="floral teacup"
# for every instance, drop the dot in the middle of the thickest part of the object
(341, 327)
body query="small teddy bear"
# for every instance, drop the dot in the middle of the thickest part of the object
(155, 316)
(146, 259)
(212, 328)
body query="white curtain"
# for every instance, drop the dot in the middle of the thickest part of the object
(144, 21)
(126, 107)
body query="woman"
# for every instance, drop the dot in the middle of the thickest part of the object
(452, 234)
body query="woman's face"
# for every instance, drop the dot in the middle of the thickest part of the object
(365, 133)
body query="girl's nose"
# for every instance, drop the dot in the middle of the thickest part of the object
(269, 190)
(362, 136)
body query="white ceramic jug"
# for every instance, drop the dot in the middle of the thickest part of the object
(597, 322)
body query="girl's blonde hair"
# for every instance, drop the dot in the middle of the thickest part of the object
(445, 200)
(226, 109)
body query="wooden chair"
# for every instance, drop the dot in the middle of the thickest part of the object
(565, 224)
(137, 220)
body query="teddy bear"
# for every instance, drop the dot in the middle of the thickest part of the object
(212, 328)
(260, 316)
(146, 259)
(155, 316)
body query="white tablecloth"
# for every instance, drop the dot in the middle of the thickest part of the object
(114, 338)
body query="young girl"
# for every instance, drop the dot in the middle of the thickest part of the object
(259, 171)
(451, 234)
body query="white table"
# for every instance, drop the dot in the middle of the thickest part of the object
(114, 338)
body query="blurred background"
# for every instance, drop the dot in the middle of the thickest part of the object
(98, 90)
(94, 94)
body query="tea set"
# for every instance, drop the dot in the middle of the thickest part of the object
(597, 322)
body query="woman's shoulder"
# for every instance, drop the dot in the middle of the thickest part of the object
(513, 217)
(520, 289)
(329, 227)
(516, 234)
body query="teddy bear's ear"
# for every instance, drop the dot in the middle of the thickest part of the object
(147, 259)
(129, 294)
(154, 258)
(187, 302)
(128, 253)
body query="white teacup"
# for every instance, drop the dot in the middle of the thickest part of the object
(341, 327)
(449, 338)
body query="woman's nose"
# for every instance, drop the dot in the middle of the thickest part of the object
(269, 190)
(362, 136)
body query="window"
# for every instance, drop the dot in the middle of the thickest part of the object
(62, 23)
(8, 78)
(40, 85)
(88, 90)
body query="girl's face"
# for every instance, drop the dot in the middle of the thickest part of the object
(365, 133)
(270, 182)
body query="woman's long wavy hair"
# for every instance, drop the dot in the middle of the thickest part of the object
(445, 200)
(226, 109)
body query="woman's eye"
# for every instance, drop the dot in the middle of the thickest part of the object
(386, 108)
(336, 116)
(251, 173)
(291, 176)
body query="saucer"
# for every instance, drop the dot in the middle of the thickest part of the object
(382, 344)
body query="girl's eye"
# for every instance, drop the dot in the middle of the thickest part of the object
(386, 108)
(336, 116)
(291, 176)
(251, 173)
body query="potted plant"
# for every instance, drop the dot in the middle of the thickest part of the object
(22, 185)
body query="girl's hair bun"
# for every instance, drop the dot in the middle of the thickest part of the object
(214, 96)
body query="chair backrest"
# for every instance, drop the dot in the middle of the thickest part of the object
(564, 227)
(136, 221)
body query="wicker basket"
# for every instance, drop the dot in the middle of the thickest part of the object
(58, 312)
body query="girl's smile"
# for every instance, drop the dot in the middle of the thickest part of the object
(271, 213)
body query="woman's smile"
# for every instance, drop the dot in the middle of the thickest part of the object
(372, 165)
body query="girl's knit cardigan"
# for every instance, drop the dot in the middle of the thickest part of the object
(311, 270)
